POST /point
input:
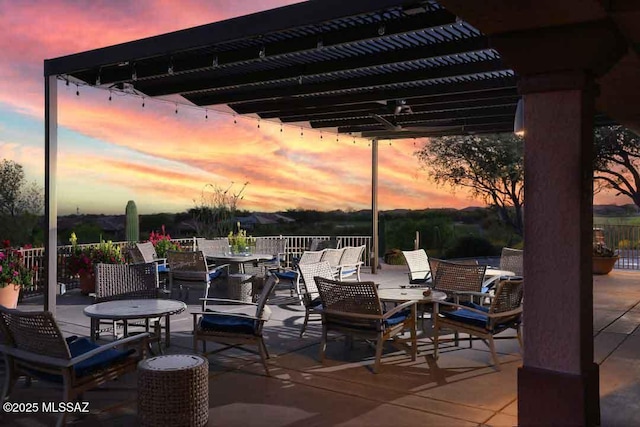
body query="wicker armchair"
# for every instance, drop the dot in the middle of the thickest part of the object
(241, 325)
(123, 281)
(190, 268)
(332, 256)
(505, 312)
(308, 291)
(350, 262)
(148, 252)
(354, 309)
(35, 347)
(459, 281)
(213, 247)
(510, 260)
(292, 275)
(418, 264)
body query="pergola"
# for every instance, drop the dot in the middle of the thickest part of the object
(388, 69)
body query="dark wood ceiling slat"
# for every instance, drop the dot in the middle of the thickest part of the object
(352, 85)
(211, 79)
(466, 90)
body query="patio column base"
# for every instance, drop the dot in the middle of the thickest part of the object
(556, 398)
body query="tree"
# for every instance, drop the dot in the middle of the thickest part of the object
(21, 203)
(617, 161)
(491, 166)
(214, 213)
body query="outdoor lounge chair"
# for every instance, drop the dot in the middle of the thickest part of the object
(460, 281)
(35, 347)
(350, 262)
(190, 268)
(308, 291)
(354, 309)
(238, 325)
(510, 260)
(504, 312)
(293, 275)
(332, 256)
(148, 252)
(418, 264)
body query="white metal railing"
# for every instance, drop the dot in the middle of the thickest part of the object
(295, 246)
(625, 239)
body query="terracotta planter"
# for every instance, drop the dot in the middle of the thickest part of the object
(603, 265)
(9, 295)
(87, 283)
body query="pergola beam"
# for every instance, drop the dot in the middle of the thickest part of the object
(351, 84)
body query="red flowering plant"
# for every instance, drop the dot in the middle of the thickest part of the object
(12, 268)
(162, 243)
(82, 259)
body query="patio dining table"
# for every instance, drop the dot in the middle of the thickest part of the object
(238, 259)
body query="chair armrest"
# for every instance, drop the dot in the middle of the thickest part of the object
(66, 363)
(160, 261)
(353, 315)
(215, 268)
(398, 308)
(490, 315)
(472, 293)
(222, 313)
(233, 301)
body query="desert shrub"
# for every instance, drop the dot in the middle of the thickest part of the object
(471, 246)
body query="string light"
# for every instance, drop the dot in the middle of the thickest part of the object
(66, 82)
(206, 114)
(176, 108)
(258, 123)
(109, 96)
(143, 102)
(280, 127)
(77, 90)
(320, 134)
(301, 132)
(234, 119)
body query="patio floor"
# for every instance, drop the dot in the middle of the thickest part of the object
(460, 389)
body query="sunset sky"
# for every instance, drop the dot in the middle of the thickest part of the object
(114, 151)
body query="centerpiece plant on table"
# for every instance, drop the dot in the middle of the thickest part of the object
(162, 243)
(241, 243)
(82, 260)
(14, 275)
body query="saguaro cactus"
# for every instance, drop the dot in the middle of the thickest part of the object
(132, 224)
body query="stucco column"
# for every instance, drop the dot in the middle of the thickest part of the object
(558, 382)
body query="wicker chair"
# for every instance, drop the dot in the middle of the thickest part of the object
(418, 263)
(35, 347)
(190, 268)
(308, 291)
(123, 281)
(505, 312)
(350, 262)
(510, 260)
(241, 325)
(213, 247)
(459, 281)
(332, 256)
(292, 275)
(354, 309)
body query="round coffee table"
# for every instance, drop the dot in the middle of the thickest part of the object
(173, 390)
(130, 309)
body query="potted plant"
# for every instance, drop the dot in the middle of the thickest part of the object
(162, 243)
(240, 243)
(604, 258)
(14, 275)
(82, 261)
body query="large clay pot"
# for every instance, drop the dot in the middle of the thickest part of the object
(87, 283)
(9, 295)
(603, 265)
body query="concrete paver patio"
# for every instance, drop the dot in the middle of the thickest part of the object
(459, 389)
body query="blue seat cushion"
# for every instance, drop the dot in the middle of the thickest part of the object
(223, 323)
(348, 271)
(397, 318)
(286, 275)
(467, 316)
(162, 268)
(80, 346)
(99, 361)
(215, 274)
(316, 302)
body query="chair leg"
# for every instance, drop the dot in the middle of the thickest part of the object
(379, 347)
(414, 341)
(436, 338)
(492, 346)
(10, 378)
(263, 355)
(304, 325)
(519, 335)
(264, 346)
(323, 344)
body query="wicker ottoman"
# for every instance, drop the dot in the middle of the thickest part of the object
(239, 287)
(173, 390)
